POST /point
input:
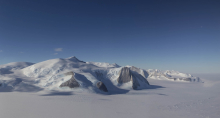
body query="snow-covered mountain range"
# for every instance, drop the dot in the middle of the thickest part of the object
(72, 73)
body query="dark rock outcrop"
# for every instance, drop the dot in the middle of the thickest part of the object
(135, 82)
(101, 86)
(71, 83)
(124, 75)
(140, 77)
(127, 75)
(75, 59)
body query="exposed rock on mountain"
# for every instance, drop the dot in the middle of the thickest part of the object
(101, 86)
(127, 75)
(75, 59)
(71, 83)
(124, 75)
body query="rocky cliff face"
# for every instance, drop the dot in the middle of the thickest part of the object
(124, 75)
(101, 86)
(127, 75)
(71, 83)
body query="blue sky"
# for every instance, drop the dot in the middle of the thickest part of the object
(181, 35)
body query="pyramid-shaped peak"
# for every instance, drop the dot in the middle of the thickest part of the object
(73, 58)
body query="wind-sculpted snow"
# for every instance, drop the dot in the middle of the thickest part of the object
(74, 74)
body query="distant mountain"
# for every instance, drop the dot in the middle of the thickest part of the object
(171, 75)
(72, 73)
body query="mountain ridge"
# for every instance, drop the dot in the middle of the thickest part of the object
(97, 77)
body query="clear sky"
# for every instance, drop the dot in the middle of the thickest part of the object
(181, 35)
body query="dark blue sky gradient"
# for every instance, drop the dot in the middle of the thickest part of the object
(181, 35)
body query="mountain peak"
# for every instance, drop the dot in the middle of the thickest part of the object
(73, 58)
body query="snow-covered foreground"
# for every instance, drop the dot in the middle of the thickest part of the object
(165, 99)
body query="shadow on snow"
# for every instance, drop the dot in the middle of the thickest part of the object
(58, 93)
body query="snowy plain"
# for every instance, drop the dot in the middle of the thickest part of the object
(163, 99)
